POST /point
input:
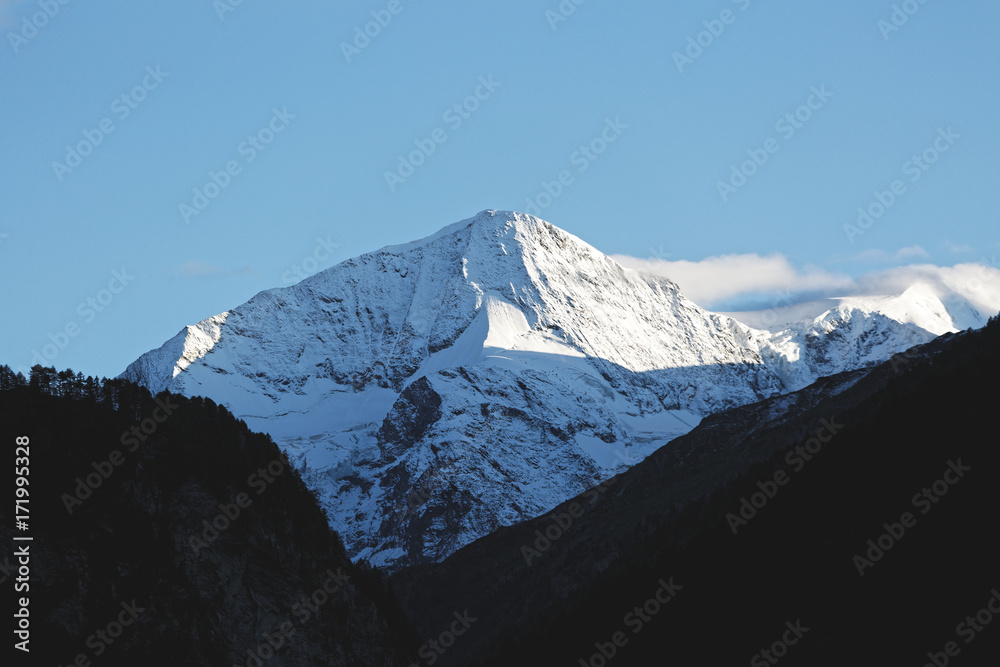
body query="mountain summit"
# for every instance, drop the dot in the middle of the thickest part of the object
(434, 391)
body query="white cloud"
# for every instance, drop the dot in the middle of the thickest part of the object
(714, 280)
(739, 282)
(959, 248)
(196, 268)
(978, 283)
(911, 252)
(870, 256)
(876, 256)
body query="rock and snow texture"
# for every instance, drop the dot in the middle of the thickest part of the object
(822, 337)
(435, 391)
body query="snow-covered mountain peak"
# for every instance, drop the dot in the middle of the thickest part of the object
(921, 305)
(918, 305)
(820, 337)
(491, 370)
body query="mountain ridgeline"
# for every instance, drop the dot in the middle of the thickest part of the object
(853, 522)
(557, 460)
(491, 371)
(165, 532)
(846, 523)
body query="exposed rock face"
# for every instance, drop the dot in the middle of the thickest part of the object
(491, 371)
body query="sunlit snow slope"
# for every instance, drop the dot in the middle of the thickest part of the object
(825, 336)
(437, 390)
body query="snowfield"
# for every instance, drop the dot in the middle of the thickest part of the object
(499, 367)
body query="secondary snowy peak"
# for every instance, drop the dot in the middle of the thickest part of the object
(821, 337)
(157, 368)
(919, 305)
(437, 390)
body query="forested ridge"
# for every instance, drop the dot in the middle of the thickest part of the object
(173, 506)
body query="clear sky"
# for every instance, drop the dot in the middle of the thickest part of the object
(299, 115)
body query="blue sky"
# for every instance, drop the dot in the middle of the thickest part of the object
(308, 129)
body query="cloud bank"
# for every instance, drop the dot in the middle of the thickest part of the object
(751, 281)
